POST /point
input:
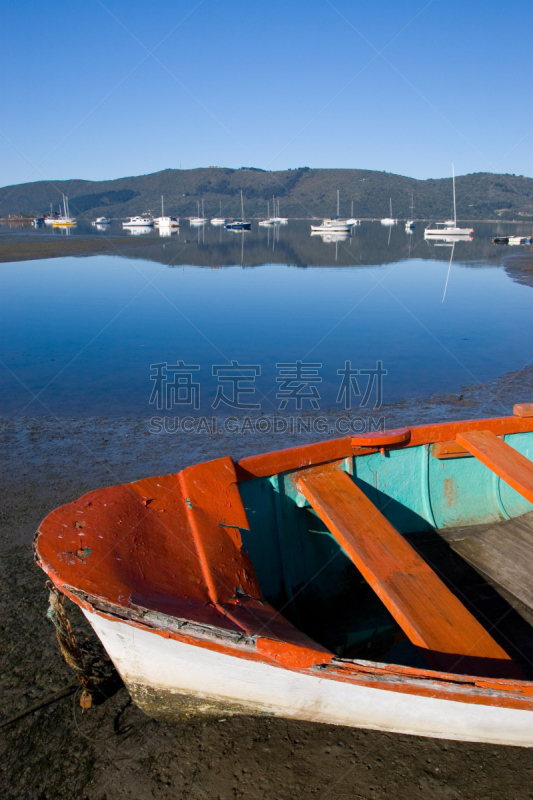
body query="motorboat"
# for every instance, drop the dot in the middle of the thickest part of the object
(379, 580)
(331, 226)
(102, 221)
(138, 222)
(449, 227)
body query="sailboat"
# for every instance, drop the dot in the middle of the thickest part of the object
(449, 227)
(200, 219)
(389, 220)
(64, 220)
(276, 219)
(239, 224)
(336, 225)
(353, 220)
(268, 221)
(220, 220)
(410, 223)
(165, 222)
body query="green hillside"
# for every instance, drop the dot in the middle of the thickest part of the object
(301, 192)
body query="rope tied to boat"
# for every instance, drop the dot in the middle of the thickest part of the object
(88, 667)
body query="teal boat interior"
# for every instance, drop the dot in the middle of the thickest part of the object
(435, 504)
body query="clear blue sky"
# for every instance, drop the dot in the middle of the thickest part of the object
(101, 90)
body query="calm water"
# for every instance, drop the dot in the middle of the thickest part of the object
(84, 331)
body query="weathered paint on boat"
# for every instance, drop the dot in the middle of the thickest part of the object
(188, 580)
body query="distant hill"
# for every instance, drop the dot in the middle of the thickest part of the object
(301, 192)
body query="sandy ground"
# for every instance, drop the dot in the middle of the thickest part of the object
(114, 750)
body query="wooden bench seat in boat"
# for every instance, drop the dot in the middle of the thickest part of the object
(433, 618)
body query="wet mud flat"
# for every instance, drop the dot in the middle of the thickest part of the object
(30, 248)
(114, 750)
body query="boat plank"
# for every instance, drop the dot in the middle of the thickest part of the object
(503, 553)
(510, 465)
(431, 616)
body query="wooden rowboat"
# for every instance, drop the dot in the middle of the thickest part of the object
(348, 582)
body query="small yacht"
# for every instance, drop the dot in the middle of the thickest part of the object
(64, 220)
(200, 219)
(102, 221)
(165, 222)
(336, 225)
(449, 227)
(331, 226)
(389, 220)
(239, 224)
(410, 223)
(138, 222)
(352, 220)
(220, 220)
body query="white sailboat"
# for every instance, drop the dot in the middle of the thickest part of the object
(220, 220)
(389, 220)
(352, 220)
(336, 225)
(200, 219)
(449, 227)
(165, 222)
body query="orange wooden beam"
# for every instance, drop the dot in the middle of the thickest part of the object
(511, 466)
(431, 616)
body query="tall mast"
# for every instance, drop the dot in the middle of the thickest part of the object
(242, 207)
(202, 207)
(338, 203)
(162, 211)
(390, 201)
(454, 209)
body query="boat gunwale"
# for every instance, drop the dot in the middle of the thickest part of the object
(308, 455)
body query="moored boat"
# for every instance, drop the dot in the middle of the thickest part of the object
(449, 227)
(331, 582)
(138, 222)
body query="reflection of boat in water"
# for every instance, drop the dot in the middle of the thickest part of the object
(389, 220)
(331, 236)
(377, 630)
(449, 227)
(138, 222)
(137, 230)
(104, 227)
(511, 240)
(441, 240)
(165, 230)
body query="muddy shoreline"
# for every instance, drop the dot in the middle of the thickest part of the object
(114, 750)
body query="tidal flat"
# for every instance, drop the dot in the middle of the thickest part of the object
(113, 750)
